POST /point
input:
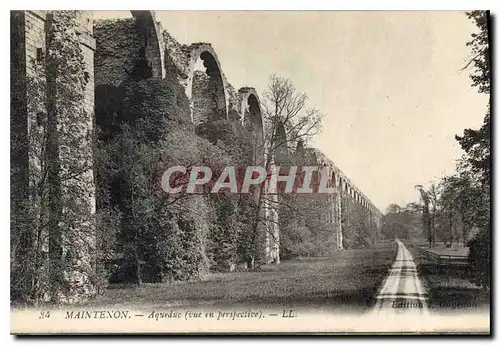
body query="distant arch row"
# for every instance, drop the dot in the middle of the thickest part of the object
(346, 188)
(342, 184)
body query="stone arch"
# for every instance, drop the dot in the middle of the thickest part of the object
(334, 179)
(251, 117)
(155, 45)
(206, 91)
(250, 110)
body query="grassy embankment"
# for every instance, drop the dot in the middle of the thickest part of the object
(448, 286)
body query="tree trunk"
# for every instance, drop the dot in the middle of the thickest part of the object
(450, 225)
(137, 266)
(432, 227)
(427, 223)
(136, 238)
(464, 231)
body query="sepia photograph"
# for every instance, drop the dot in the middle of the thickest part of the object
(250, 172)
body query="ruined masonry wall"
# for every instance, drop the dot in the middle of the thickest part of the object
(88, 46)
(34, 43)
(32, 79)
(118, 47)
(35, 36)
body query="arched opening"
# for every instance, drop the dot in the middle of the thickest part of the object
(255, 118)
(129, 47)
(334, 181)
(252, 120)
(154, 47)
(206, 87)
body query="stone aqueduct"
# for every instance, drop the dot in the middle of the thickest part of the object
(165, 55)
(245, 102)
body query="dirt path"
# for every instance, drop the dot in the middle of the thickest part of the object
(402, 291)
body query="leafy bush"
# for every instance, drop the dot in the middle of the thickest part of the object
(480, 258)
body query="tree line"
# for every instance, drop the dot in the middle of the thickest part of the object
(456, 210)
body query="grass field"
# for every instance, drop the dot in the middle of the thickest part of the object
(347, 281)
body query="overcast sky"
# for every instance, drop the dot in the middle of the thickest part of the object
(389, 83)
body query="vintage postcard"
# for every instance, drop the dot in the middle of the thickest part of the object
(292, 172)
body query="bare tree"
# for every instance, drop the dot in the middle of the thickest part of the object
(286, 116)
(287, 121)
